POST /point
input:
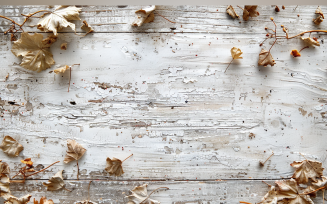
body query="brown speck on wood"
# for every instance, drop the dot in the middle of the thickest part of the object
(63, 46)
(277, 9)
(263, 163)
(283, 7)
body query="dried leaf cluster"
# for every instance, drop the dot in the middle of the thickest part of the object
(248, 11)
(308, 173)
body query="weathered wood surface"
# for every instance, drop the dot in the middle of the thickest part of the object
(167, 100)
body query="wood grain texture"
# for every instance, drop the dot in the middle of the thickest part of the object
(162, 95)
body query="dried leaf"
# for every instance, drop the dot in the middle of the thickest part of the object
(236, 53)
(56, 182)
(63, 46)
(27, 161)
(270, 197)
(295, 53)
(318, 20)
(316, 185)
(43, 200)
(319, 11)
(35, 52)
(265, 58)
(4, 168)
(230, 10)
(75, 151)
(311, 41)
(59, 19)
(145, 15)
(140, 195)
(87, 28)
(13, 200)
(10, 146)
(250, 11)
(288, 189)
(4, 185)
(61, 69)
(114, 166)
(307, 169)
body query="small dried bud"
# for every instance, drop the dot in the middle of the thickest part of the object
(267, 35)
(282, 26)
(298, 15)
(283, 7)
(271, 18)
(266, 28)
(277, 9)
(315, 39)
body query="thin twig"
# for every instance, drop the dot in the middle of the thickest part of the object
(42, 169)
(240, 7)
(266, 183)
(67, 189)
(228, 65)
(151, 193)
(313, 191)
(304, 48)
(245, 202)
(274, 41)
(88, 191)
(164, 17)
(70, 76)
(77, 169)
(127, 158)
(310, 31)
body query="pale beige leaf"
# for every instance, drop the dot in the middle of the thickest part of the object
(250, 11)
(4, 185)
(143, 15)
(322, 182)
(114, 166)
(318, 20)
(4, 168)
(310, 41)
(288, 190)
(10, 146)
(270, 197)
(13, 200)
(307, 169)
(75, 151)
(139, 195)
(319, 11)
(265, 58)
(59, 18)
(35, 51)
(56, 182)
(86, 27)
(61, 69)
(236, 53)
(230, 10)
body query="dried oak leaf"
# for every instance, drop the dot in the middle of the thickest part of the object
(43, 200)
(87, 28)
(266, 58)
(250, 11)
(270, 197)
(114, 166)
(230, 10)
(307, 169)
(236, 53)
(59, 18)
(63, 46)
(140, 195)
(35, 51)
(145, 15)
(56, 182)
(4, 168)
(311, 41)
(316, 185)
(295, 53)
(75, 151)
(320, 16)
(13, 200)
(10, 146)
(61, 69)
(289, 191)
(319, 11)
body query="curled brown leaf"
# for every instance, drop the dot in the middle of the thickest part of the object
(265, 58)
(230, 10)
(250, 10)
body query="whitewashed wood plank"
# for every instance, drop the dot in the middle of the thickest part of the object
(175, 128)
(217, 192)
(203, 19)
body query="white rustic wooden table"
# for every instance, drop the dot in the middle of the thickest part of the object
(168, 101)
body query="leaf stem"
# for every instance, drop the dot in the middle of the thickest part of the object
(310, 31)
(88, 192)
(42, 169)
(164, 17)
(153, 192)
(228, 65)
(67, 189)
(77, 169)
(127, 158)
(313, 191)
(266, 183)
